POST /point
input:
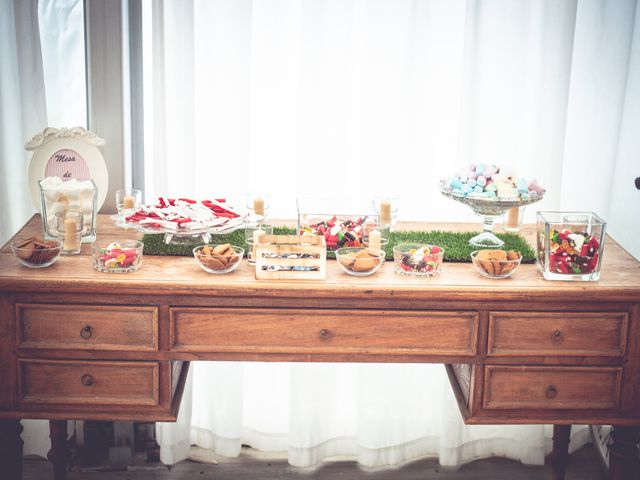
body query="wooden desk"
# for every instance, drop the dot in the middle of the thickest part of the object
(79, 344)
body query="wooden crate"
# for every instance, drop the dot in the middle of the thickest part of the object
(296, 244)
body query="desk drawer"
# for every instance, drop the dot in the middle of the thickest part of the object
(552, 387)
(91, 383)
(323, 331)
(570, 333)
(87, 327)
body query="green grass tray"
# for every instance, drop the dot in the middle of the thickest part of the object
(456, 244)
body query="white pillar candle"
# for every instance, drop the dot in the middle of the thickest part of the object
(257, 235)
(513, 217)
(385, 213)
(375, 243)
(258, 206)
(70, 234)
(129, 202)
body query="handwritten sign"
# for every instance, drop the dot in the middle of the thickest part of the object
(67, 164)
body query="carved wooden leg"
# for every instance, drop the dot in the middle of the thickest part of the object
(10, 449)
(60, 453)
(559, 457)
(624, 457)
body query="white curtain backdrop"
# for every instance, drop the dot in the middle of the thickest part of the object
(358, 97)
(22, 107)
(42, 83)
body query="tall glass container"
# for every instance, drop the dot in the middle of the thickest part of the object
(570, 245)
(61, 199)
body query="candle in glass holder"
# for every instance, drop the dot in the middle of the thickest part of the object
(258, 206)
(513, 219)
(129, 202)
(375, 240)
(70, 234)
(257, 234)
(385, 212)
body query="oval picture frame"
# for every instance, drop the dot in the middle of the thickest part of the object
(67, 153)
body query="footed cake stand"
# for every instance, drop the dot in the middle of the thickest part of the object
(182, 237)
(488, 209)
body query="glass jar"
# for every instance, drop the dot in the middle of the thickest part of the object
(570, 245)
(60, 199)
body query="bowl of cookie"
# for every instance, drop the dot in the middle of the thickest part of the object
(359, 262)
(37, 253)
(218, 259)
(493, 263)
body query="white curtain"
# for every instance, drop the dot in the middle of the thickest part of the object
(42, 83)
(358, 97)
(22, 107)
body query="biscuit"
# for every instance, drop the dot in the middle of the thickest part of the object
(347, 259)
(221, 249)
(364, 264)
(213, 263)
(513, 255)
(222, 258)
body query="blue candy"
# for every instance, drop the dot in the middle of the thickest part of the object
(455, 183)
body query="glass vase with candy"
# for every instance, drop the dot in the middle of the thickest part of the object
(570, 245)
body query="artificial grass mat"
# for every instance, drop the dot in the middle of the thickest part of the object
(456, 244)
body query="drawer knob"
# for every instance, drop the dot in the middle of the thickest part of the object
(87, 380)
(556, 336)
(86, 332)
(325, 334)
(552, 391)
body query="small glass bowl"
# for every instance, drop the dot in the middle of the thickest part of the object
(359, 261)
(496, 268)
(418, 259)
(217, 259)
(118, 257)
(35, 253)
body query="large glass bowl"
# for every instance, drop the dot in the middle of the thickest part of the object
(34, 253)
(218, 259)
(488, 209)
(118, 257)
(359, 262)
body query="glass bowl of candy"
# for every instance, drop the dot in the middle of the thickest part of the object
(223, 258)
(495, 263)
(36, 252)
(570, 245)
(359, 262)
(417, 259)
(118, 257)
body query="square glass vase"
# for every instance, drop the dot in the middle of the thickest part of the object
(570, 245)
(58, 200)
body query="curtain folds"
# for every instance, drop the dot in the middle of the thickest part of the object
(357, 97)
(23, 111)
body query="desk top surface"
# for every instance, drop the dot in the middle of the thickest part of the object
(163, 275)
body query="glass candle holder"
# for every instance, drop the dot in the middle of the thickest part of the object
(570, 245)
(128, 199)
(512, 219)
(252, 236)
(83, 198)
(69, 225)
(386, 207)
(258, 204)
(376, 237)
